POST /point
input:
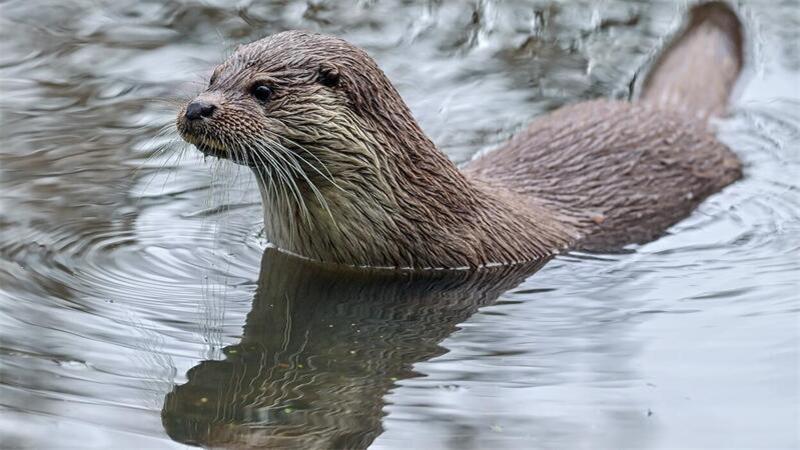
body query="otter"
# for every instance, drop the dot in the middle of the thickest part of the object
(347, 175)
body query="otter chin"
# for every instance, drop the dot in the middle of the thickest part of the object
(347, 175)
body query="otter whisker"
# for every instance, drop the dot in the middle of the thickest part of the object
(216, 175)
(318, 195)
(160, 148)
(157, 154)
(179, 156)
(327, 175)
(282, 187)
(293, 184)
(234, 156)
(295, 189)
(266, 178)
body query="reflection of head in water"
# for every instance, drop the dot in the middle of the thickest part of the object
(321, 347)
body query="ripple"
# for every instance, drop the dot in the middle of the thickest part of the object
(127, 267)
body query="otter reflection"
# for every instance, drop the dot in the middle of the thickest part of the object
(322, 345)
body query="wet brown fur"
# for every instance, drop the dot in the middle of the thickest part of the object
(370, 188)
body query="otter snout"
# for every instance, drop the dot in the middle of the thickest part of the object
(204, 106)
(198, 109)
(195, 118)
(197, 125)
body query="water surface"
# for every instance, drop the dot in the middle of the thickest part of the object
(138, 308)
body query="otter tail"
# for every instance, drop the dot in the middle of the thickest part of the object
(697, 71)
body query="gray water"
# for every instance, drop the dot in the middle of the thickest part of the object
(138, 308)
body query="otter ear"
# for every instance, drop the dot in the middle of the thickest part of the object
(328, 74)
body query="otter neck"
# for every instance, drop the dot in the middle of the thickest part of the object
(397, 201)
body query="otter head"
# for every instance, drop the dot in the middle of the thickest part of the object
(346, 173)
(299, 105)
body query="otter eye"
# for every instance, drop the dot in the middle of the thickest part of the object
(262, 92)
(328, 75)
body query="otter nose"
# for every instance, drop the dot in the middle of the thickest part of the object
(198, 109)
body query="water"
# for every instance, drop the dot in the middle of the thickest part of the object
(139, 310)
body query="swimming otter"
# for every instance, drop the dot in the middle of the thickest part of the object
(348, 176)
